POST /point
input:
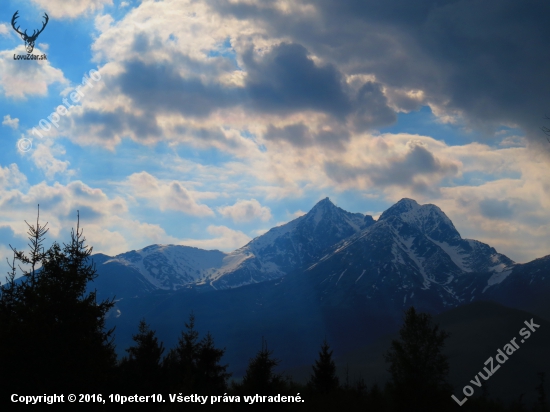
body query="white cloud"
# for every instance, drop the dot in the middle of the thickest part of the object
(4, 29)
(297, 214)
(18, 79)
(44, 157)
(8, 121)
(225, 239)
(11, 177)
(246, 211)
(171, 195)
(71, 8)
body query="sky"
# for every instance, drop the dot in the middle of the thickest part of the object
(207, 122)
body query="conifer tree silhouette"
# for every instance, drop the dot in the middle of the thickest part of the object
(260, 377)
(542, 405)
(141, 370)
(323, 379)
(212, 376)
(194, 365)
(418, 368)
(53, 333)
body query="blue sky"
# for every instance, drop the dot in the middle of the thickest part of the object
(207, 122)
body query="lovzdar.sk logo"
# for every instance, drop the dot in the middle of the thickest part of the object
(29, 40)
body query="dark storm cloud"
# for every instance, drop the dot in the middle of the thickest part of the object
(496, 209)
(283, 81)
(300, 136)
(485, 58)
(107, 125)
(286, 79)
(161, 88)
(400, 171)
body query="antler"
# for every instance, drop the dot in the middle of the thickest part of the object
(15, 16)
(43, 26)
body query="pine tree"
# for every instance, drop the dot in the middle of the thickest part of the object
(52, 332)
(418, 368)
(194, 365)
(259, 377)
(542, 405)
(141, 370)
(323, 379)
(211, 375)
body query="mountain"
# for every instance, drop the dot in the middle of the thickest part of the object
(282, 250)
(524, 286)
(156, 267)
(289, 247)
(329, 273)
(412, 255)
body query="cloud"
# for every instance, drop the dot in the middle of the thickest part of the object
(285, 79)
(225, 239)
(8, 121)
(166, 195)
(214, 78)
(11, 177)
(18, 79)
(301, 136)
(496, 209)
(246, 211)
(4, 29)
(417, 167)
(44, 157)
(71, 8)
(297, 214)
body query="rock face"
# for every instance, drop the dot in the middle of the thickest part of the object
(290, 247)
(413, 255)
(329, 273)
(282, 250)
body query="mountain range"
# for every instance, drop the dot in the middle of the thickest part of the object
(329, 273)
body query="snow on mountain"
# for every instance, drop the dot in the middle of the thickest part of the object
(281, 250)
(169, 267)
(411, 250)
(289, 247)
(413, 254)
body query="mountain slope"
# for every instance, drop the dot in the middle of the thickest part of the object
(411, 256)
(289, 247)
(282, 250)
(350, 291)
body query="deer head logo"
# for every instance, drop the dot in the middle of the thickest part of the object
(29, 40)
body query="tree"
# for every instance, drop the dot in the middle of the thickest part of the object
(259, 377)
(211, 375)
(418, 368)
(323, 379)
(141, 370)
(52, 333)
(194, 365)
(541, 393)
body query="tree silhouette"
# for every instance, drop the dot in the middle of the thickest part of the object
(259, 377)
(194, 365)
(211, 375)
(323, 379)
(542, 405)
(418, 368)
(51, 332)
(141, 370)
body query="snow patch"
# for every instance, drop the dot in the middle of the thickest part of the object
(498, 277)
